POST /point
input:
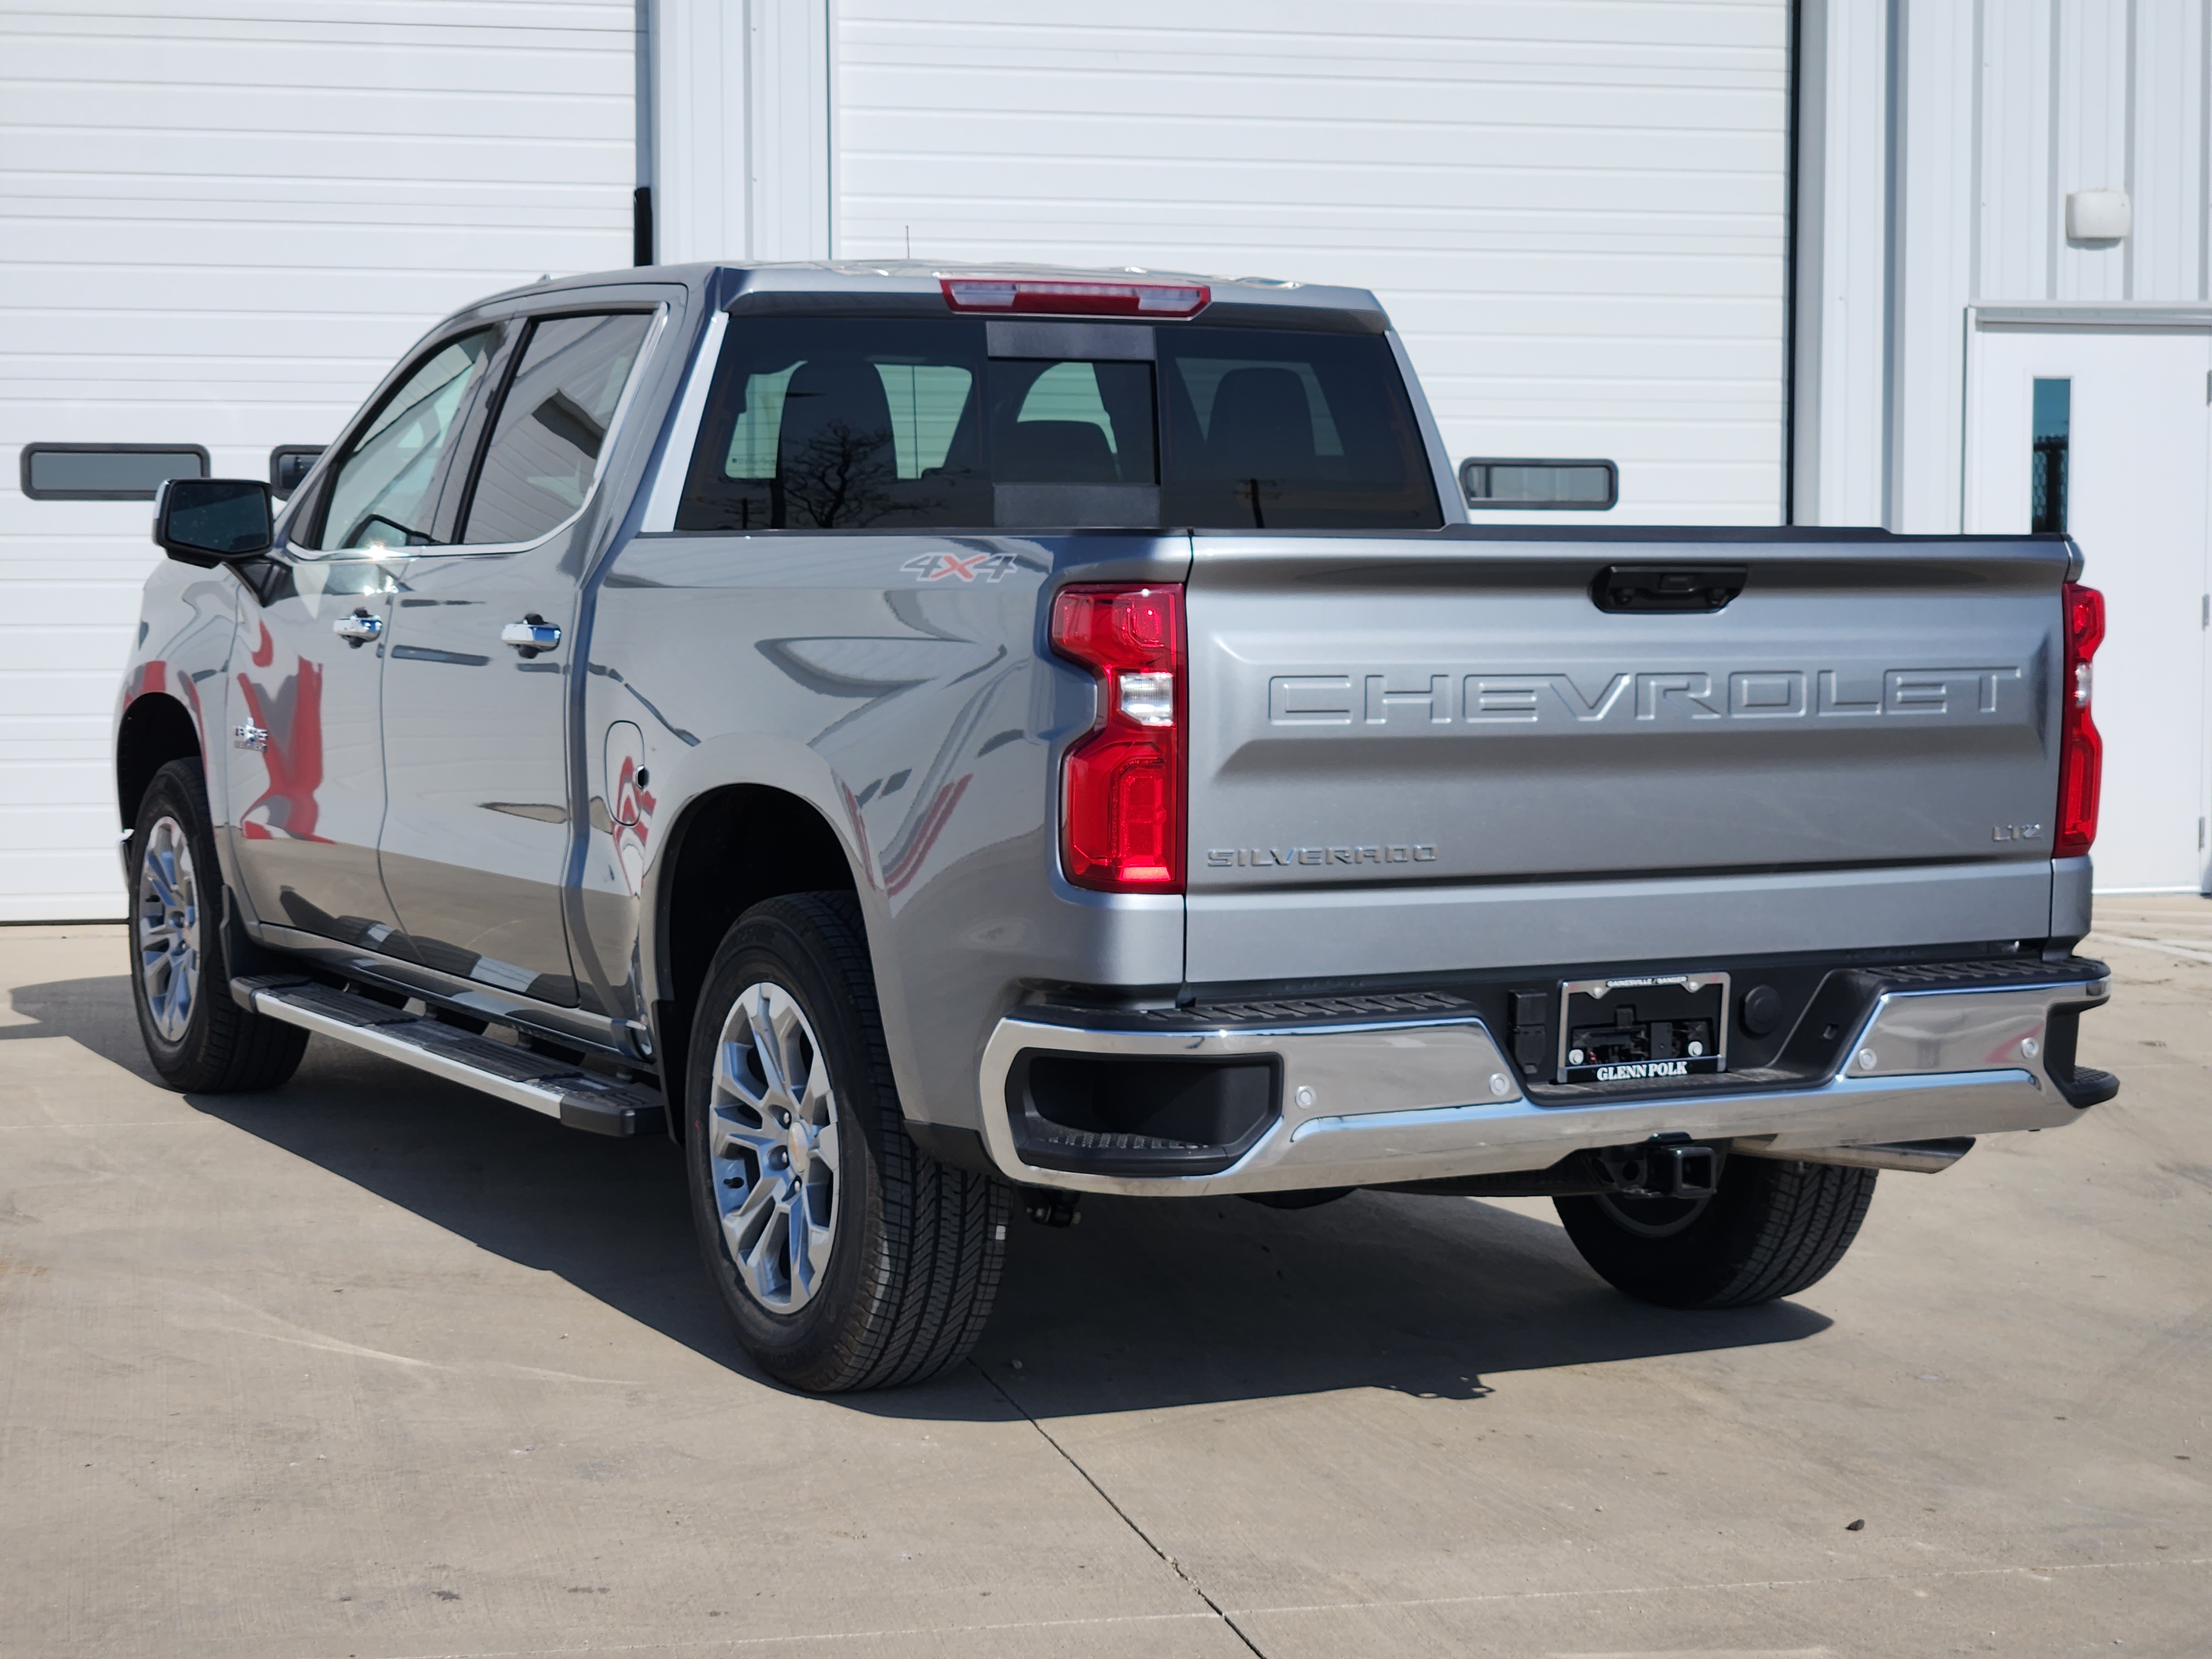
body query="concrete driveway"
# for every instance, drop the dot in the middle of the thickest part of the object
(371, 1366)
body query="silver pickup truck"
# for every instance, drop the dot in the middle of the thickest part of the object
(940, 741)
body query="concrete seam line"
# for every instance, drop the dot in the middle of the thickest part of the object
(1126, 1520)
(1743, 1584)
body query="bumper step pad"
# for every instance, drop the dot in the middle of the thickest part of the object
(544, 1083)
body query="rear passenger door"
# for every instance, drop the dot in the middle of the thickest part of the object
(477, 832)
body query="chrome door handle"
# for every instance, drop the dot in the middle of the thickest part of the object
(358, 628)
(532, 635)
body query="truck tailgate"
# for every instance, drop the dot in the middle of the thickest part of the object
(1439, 752)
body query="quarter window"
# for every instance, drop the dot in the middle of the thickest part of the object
(547, 441)
(380, 496)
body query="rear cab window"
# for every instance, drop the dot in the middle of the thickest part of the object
(1283, 430)
(910, 423)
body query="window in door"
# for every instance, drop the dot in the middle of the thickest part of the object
(551, 431)
(2047, 487)
(380, 496)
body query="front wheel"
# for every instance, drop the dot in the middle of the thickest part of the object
(196, 1036)
(845, 1258)
(1772, 1229)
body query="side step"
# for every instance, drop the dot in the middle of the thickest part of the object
(558, 1088)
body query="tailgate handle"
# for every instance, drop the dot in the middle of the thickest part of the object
(1688, 588)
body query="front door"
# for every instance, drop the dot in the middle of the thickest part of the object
(2105, 433)
(304, 752)
(477, 835)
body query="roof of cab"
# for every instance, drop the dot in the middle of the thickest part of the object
(913, 287)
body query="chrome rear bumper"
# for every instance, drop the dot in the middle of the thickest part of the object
(1428, 1098)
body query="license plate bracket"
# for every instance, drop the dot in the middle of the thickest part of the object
(1643, 1027)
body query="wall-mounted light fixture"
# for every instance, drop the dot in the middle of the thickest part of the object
(2097, 215)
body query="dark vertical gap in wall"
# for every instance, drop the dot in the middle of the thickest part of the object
(1792, 197)
(641, 247)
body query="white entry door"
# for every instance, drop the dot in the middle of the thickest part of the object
(2105, 433)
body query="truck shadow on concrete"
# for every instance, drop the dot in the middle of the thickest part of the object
(1143, 1305)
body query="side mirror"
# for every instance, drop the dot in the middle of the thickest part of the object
(210, 521)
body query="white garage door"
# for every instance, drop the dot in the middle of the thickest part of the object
(222, 224)
(1574, 210)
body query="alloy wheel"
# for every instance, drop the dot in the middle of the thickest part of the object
(168, 921)
(772, 1128)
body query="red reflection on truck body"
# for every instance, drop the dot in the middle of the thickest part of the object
(294, 721)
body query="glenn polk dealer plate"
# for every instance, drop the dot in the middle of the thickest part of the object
(1650, 1026)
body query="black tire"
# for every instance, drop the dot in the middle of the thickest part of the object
(1310, 1198)
(210, 1045)
(1772, 1229)
(916, 1248)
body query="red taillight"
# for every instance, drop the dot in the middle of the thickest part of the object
(1122, 787)
(2081, 751)
(1065, 297)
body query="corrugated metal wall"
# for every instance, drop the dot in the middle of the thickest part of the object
(1574, 210)
(2091, 95)
(1999, 109)
(223, 224)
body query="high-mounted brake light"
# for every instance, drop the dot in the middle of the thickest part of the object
(1065, 297)
(2080, 750)
(1122, 787)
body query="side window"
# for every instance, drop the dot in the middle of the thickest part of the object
(552, 425)
(850, 424)
(380, 495)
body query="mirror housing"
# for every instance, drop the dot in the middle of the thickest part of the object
(212, 521)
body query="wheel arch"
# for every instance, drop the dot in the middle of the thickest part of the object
(156, 729)
(731, 848)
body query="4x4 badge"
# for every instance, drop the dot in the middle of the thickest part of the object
(962, 567)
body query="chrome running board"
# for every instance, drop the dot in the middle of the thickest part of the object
(544, 1083)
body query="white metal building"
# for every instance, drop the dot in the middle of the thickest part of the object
(1778, 263)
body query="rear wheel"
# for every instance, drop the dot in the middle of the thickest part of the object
(1772, 1229)
(845, 1258)
(196, 1036)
